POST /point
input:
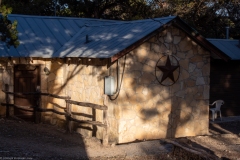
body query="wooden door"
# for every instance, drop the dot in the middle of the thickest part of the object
(26, 79)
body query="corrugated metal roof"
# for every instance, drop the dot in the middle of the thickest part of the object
(230, 47)
(42, 36)
(106, 41)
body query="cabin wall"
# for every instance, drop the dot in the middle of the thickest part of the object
(143, 109)
(146, 109)
(6, 72)
(82, 80)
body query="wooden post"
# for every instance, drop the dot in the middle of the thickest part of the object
(7, 100)
(105, 121)
(68, 116)
(37, 116)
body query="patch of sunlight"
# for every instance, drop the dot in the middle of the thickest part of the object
(128, 36)
(137, 30)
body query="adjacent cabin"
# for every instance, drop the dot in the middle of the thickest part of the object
(225, 76)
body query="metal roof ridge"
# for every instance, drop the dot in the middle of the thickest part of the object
(134, 21)
(71, 40)
(120, 23)
(150, 19)
(59, 17)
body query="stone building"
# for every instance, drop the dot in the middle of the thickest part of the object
(153, 74)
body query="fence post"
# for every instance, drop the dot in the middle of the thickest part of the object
(7, 100)
(36, 108)
(105, 121)
(68, 116)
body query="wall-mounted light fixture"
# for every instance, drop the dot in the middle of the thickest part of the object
(109, 85)
(46, 71)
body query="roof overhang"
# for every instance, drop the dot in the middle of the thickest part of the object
(177, 22)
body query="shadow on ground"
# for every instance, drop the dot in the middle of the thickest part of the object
(228, 125)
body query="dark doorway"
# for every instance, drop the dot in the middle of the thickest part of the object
(225, 85)
(26, 79)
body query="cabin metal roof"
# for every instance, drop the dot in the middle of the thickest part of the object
(51, 37)
(229, 47)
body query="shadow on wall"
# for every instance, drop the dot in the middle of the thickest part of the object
(82, 81)
(146, 109)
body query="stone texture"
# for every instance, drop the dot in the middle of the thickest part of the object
(184, 75)
(200, 81)
(189, 54)
(191, 67)
(155, 102)
(143, 109)
(128, 114)
(200, 64)
(176, 39)
(155, 47)
(151, 63)
(197, 73)
(128, 82)
(181, 55)
(147, 78)
(184, 64)
(185, 45)
(168, 38)
(142, 54)
(206, 91)
(206, 70)
(190, 82)
(147, 68)
(134, 74)
(135, 66)
(180, 94)
(196, 58)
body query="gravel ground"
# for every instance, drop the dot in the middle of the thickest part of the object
(25, 140)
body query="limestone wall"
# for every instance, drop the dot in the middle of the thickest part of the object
(146, 109)
(6, 72)
(143, 108)
(83, 81)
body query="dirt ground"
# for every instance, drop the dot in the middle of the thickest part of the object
(25, 140)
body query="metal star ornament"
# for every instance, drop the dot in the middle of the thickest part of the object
(168, 70)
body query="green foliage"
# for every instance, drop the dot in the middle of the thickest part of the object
(107, 9)
(8, 30)
(31, 7)
(207, 16)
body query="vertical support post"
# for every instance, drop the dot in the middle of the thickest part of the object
(7, 100)
(68, 115)
(36, 108)
(105, 121)
(94, 127)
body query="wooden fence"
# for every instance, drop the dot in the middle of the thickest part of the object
(67, 111)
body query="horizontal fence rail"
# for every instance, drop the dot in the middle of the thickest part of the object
(67, 111)
(37, 94)
(85, 104)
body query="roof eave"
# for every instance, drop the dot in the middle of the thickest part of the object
(177, 22)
